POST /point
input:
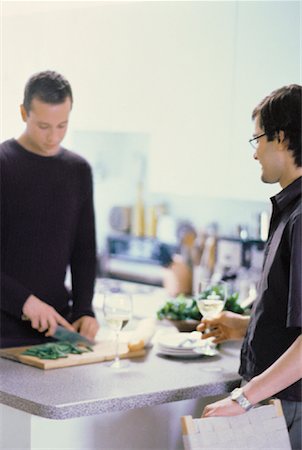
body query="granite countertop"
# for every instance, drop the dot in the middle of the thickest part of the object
(95, 389)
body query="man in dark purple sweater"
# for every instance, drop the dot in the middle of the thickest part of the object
(47, 222)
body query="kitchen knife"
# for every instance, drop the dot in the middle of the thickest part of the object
(62, 334)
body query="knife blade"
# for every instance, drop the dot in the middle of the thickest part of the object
(62, 334)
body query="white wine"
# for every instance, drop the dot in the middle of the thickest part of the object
(209, 308)
(117, 322)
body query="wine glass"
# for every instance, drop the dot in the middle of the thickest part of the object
(117, 310)
(211, 300)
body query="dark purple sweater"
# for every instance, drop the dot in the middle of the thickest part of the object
(47, 224)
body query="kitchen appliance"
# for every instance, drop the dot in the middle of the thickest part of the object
(234, 253)
(120, 218)
(139, 259)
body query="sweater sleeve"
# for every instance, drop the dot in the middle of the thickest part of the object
(13, 296)
(83, 258)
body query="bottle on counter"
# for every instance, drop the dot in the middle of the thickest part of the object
(177, 277)
(151, 222)
(138, 228)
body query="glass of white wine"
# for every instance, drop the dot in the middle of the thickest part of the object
(211, 299)
(117, 309)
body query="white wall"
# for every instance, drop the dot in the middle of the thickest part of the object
(186, 73)
(268, 56)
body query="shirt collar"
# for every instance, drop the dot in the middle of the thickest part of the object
(287, 195)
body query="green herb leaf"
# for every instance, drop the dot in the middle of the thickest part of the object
(56, 350)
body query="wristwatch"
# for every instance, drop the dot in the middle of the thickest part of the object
(238, 396)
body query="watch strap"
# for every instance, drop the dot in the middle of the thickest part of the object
(238, 396)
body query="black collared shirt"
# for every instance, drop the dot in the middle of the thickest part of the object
(276, 316)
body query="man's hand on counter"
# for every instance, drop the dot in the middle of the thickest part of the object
(43, 316)
(87, 326)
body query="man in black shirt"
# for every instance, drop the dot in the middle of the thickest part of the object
(271, 354)
(47, 222)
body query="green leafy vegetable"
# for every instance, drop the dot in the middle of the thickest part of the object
(182, 308)
(56, 350)
(232, 304)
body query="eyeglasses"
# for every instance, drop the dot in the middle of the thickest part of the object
(254, 141)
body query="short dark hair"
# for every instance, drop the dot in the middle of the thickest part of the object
(281, 110)
(48, 86)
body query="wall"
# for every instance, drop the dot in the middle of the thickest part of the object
(186, 74)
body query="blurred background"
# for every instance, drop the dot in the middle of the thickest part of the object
(163, 95)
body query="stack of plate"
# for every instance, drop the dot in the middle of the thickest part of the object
(185, 345)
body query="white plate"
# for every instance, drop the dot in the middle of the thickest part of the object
(185, 345)
(176, 351)
(181, 341)
(188, 353)
(178, 355)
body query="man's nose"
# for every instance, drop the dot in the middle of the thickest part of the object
(52, 136)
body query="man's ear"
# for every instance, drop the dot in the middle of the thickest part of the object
(23, 113)
(282, 141)
(281, 137)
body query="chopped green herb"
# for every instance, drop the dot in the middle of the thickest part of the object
(56, 350)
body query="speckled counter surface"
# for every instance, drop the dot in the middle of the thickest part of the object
(95, 389)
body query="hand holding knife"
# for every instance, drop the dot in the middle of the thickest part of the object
(64, 334)
(44, 317)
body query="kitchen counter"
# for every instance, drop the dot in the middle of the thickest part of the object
(93, 407)
(95, 388)
(137, 408)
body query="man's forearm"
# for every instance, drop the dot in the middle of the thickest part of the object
(284, 372)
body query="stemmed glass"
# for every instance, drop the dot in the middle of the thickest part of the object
(117, 310)
(211, 300)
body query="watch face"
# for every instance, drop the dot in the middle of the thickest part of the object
(236, 393)
(238, 396)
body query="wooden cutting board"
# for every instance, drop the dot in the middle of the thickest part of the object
(103, 351)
